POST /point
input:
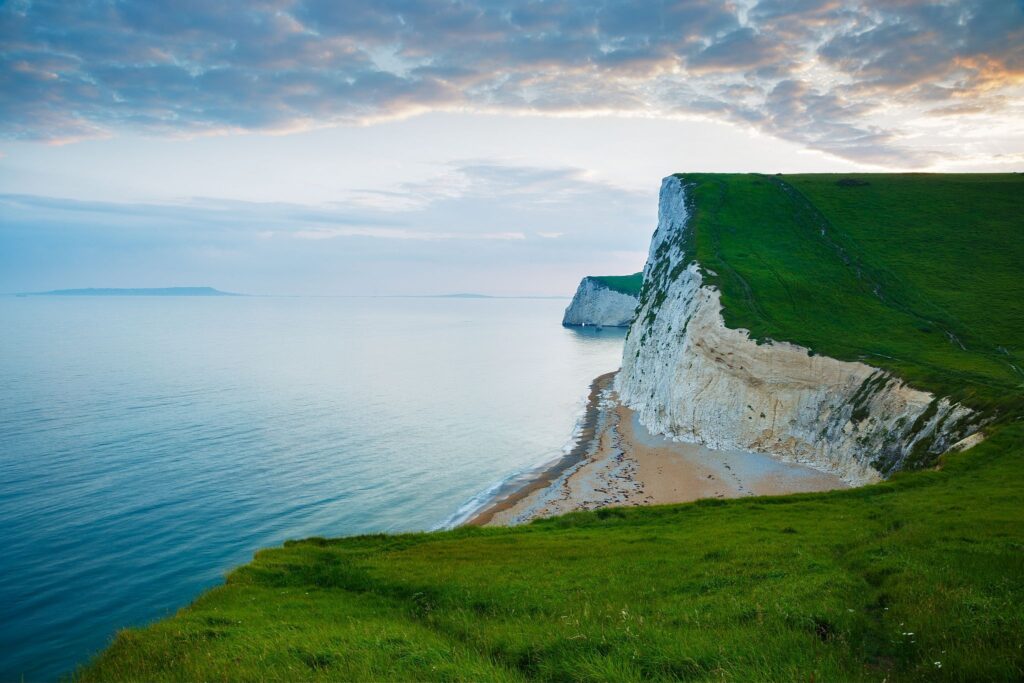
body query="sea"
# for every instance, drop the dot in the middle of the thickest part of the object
(148, 445)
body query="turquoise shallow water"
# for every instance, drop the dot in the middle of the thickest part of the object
(148, 445)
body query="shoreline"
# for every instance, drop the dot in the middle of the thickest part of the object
(549, 474)
(617, 462)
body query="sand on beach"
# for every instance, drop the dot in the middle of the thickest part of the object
(617, 462)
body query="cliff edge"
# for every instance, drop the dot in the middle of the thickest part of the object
(692, 378)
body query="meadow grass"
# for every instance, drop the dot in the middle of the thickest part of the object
(920, 578)
(919, 274)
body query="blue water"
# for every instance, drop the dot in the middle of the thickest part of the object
(149, 445)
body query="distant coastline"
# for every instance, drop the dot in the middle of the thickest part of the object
(210, 291)
(150, 291)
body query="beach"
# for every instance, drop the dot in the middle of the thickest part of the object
(618, 462)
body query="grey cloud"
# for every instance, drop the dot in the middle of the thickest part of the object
(899, 45)
(70, 70)
(205, 216)
(796, 21)
(468, 198)
(823, 120)
(490, 229)
(744, 48)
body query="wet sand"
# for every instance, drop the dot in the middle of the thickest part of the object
(584, 449)
(617, 462)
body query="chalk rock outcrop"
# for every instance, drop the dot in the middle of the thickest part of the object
(597, 304)
(693, 379)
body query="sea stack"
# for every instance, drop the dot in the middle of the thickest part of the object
(606, 301)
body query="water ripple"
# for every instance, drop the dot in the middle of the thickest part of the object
(148, 446)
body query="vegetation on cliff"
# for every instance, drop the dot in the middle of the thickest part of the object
(624, 284)
(919, 274)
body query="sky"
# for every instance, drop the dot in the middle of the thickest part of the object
(383, 147)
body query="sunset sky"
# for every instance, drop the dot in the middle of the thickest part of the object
(390, 147)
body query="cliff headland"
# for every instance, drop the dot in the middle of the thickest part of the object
(604, 301)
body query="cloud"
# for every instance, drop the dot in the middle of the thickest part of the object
(390, 234)
(504, 220)
(475, 200)
(743, 49)
(968, 46)
(858, 71)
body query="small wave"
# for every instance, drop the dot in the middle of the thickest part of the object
(474, 505)
(519, 478)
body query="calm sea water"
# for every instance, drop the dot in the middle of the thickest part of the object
(148, 445)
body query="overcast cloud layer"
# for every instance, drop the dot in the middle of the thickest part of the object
(861, 80)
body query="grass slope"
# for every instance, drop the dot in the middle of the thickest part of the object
(919, 274)
(918, 578)
(626, 284)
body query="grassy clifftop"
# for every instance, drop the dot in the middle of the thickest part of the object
(918, 578)
(919, 274)
(625, 284)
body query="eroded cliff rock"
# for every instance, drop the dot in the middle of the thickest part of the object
(597, 304)
(692, 378)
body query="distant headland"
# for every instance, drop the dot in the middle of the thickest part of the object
(146, 291)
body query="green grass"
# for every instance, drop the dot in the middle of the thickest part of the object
(919, 578)
(626, 284)
(919, 274)
(808, 587)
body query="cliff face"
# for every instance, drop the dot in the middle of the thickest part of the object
(596, 304)
(690, 377)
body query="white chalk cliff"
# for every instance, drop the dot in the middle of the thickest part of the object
(596, 304)
(691, 378)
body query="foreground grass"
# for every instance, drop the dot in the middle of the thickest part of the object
(920, 578)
